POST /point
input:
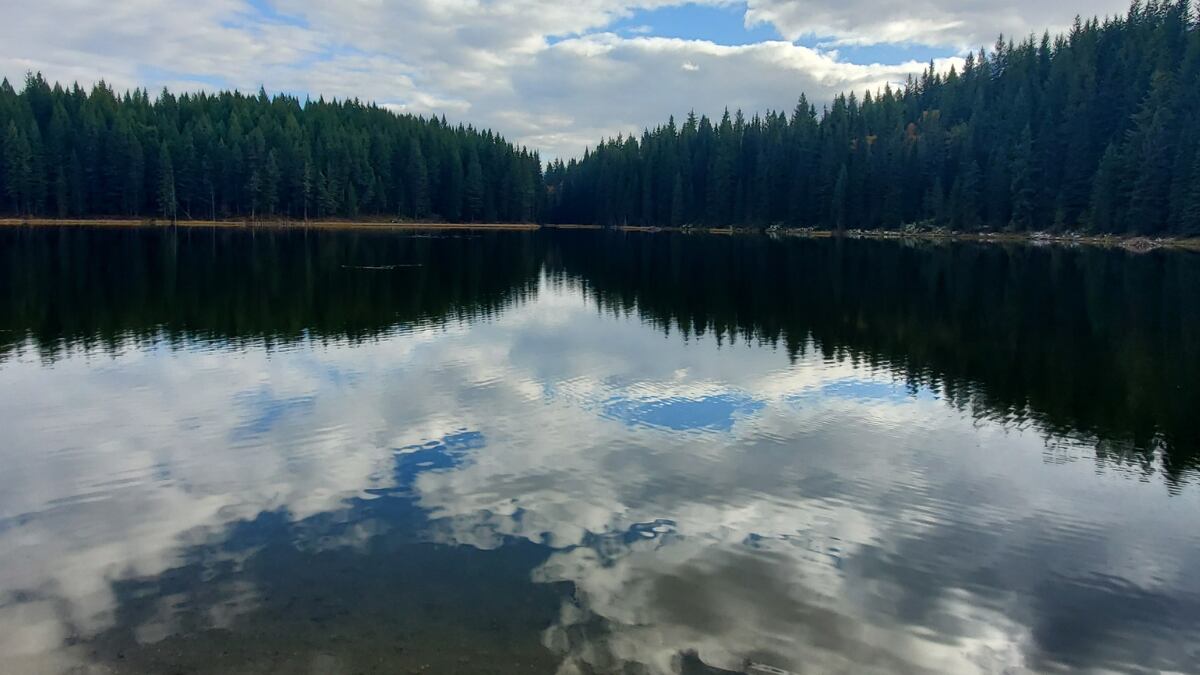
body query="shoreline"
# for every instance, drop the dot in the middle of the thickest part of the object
(262, 225)
(1136, 244)
(1131, 243)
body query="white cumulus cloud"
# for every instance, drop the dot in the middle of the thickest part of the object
(964, 24)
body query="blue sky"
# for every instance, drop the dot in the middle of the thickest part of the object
(726, 25)
(551, 75)
(718, 412)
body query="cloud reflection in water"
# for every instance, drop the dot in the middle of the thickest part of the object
(160, 502)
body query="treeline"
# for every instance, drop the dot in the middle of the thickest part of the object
(76, 153)
(1093, 130)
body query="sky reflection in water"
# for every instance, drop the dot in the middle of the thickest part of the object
(550, 488)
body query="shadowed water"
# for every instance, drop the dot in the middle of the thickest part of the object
(591, 452)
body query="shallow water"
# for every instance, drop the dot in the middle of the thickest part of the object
(590, 452)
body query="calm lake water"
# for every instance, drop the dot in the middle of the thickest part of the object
(590, 452)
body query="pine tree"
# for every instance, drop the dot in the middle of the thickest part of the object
(306, 186)
(77, 190)
(418, 181)
(1105, 210)
(1024, 184)
(58, 159)
(254, 191)
(36, 181)
(965, 215)
(327, 196)
(677, 201)
(1189, 222)
(18, 169)
(473, 189)
(1151, 146)
(166, 185)
(270, 185)
(452, 202)
(839, 199)
(351, 203)
(999, 191)
(935, 203)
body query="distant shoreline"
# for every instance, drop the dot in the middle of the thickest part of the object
(1134, 243)
(1131, 243)
(382, 225)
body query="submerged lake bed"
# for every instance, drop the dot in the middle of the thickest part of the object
(569, 452)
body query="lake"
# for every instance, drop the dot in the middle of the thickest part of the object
(577, 452)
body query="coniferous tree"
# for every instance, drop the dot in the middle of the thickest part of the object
(473, 189)
(306, 186)
(270, 185)
(677, 204)
(965, 215)
(1190, 217)
(1151, 147)
(1024, 184)
(18, 169)
(166, 185)
(1105, 211)
(839, 199)
(418, 181)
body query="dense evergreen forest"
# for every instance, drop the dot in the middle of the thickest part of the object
(67, 152)
(1094, 130)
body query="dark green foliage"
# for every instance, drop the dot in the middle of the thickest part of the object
(418, 181)
(167, 203)
(1025, 184)
(1095, 128)
(1189, 222)
(474, 190)
(67, 152)
(17, 169)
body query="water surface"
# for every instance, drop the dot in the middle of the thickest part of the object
(592, 452)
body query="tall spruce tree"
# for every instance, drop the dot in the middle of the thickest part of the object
(418, 181)
(473, 189)
(167, 203)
